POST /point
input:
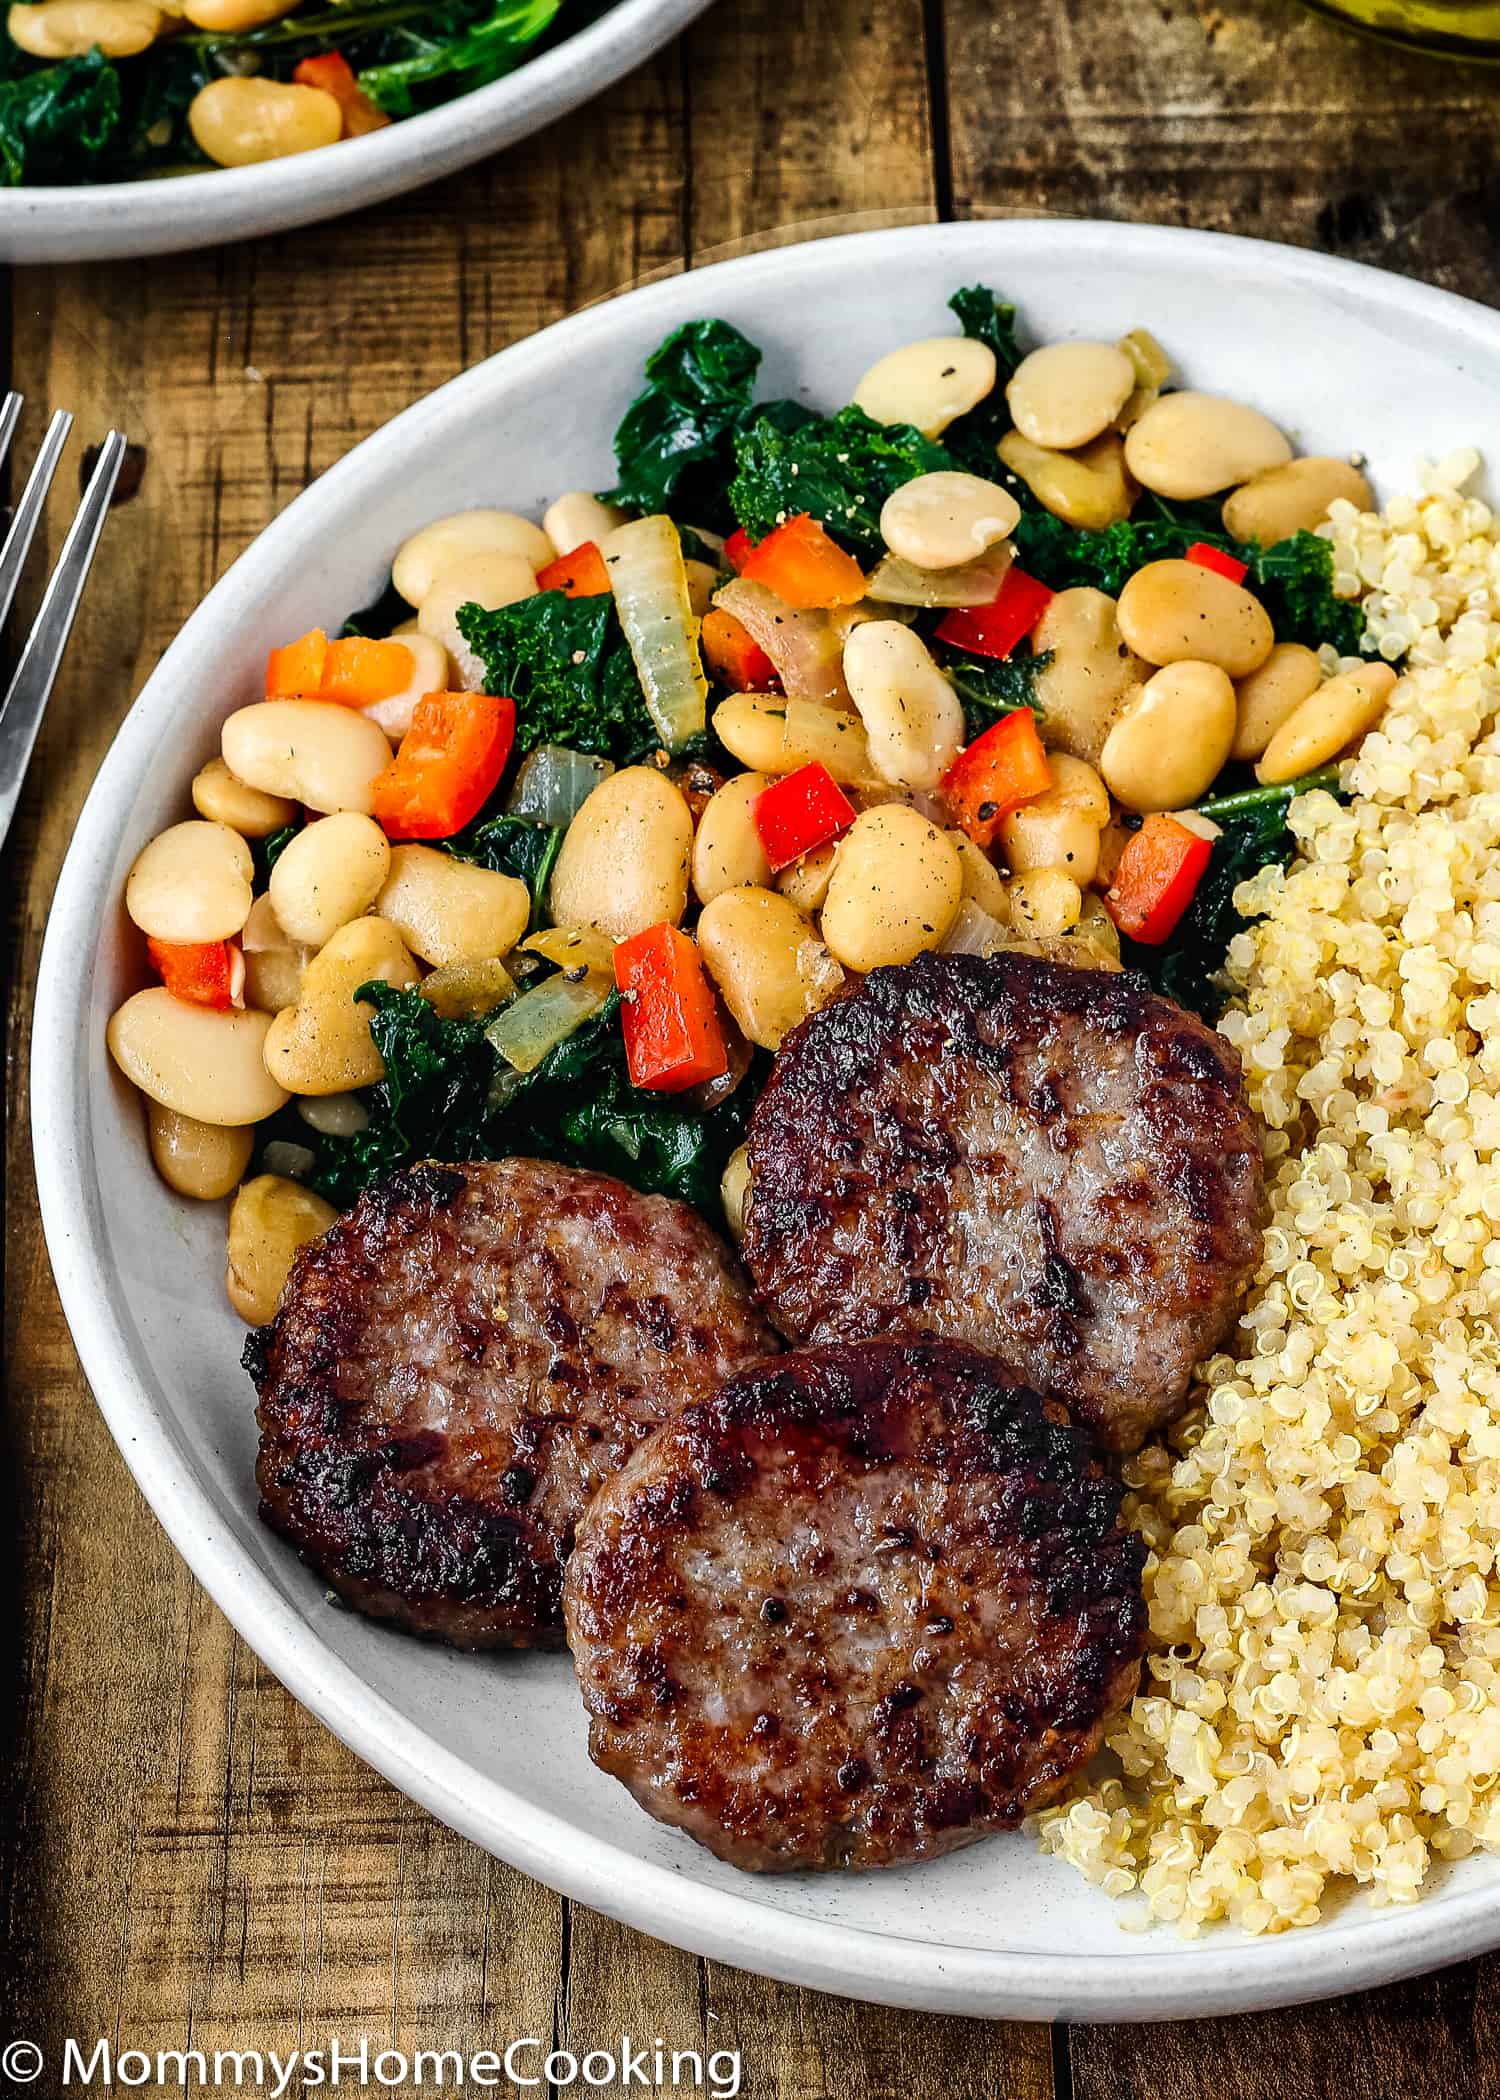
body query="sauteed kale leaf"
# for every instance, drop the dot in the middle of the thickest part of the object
(567, 665)
(447, 1094)
(839, 469)
(973, 438)
(56, 121)
(675, 445)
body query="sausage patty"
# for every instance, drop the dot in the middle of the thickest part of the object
(1052, 1163)
(457, 1365)
(867, 1604)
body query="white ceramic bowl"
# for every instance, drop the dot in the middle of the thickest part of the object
(1344, 359)
(163, 214)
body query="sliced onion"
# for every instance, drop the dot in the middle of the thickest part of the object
(645, 565)
(574, 948)
(554, 783)
(533, 1025)
(462, 991)
(973, 932)
(804, 646)
(898, 582)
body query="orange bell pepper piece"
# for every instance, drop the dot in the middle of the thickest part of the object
(295, 671)
(581, 574)
(358, 671)
(448, 766)
(1155, 877)
(1000, 770)
(204, 973)
(331, 72)
(667, 1013)
(804, 567)
(734, 656)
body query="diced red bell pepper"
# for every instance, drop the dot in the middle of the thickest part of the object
(581, 574)
(734, 656)
(358, 671)
(995, 629)
(1000, 770)
(1215, 558)
(799, 813)
(295, 671)
(667, 1012)
(331, 72)
(1155, 878)
(804, 567)
(448, 766)
(204, 973)
(738, 548)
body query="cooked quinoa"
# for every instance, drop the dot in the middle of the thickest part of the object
(1321, 1703)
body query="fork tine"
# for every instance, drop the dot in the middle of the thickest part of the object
(10, 415)
(22, 709)
(29, 510)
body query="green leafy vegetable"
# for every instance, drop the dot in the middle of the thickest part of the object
(57, 121)
(839, 469)
(1253, 835)
(1294, 581)
(991, 687)
(446, 1095)
(567, 666)
(267, 851)
(485, 49)
(973, 438)
(676, 440)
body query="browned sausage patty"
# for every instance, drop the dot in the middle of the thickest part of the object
(456, 1367)
(1054, 1164)
(867, 1604)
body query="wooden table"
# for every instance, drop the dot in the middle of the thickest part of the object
(185, 1856)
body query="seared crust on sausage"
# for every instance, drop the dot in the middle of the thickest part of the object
(1054, 1164)
(865, 1605)
(458, 1364)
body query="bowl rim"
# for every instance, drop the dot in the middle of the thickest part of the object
(1159, 1977)
(68, 222)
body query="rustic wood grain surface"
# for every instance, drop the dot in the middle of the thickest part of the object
(186, 1858)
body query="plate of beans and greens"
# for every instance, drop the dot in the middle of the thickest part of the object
(825, 1036)
(105, 104)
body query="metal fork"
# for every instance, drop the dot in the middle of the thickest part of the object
(30, 689)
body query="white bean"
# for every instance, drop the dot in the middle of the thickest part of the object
(913, 719)
(270, 1222)
(449, 911)
(1045, 903)
(192, 883)
(201, 1160)
(274, 962)
(576, 517)
(623, 864)
(805, 882)
(1177, 611)
(68, 28)
(1061, 828)
(983, 884)
(734, 1192)
(1089, 489)
(727, 852)
(1065, 394)
(1293, 498)
(233, 17)
(896, 888)
(431, 672)
(222, 799)
(322, 1044)
(239, 122)
(1269, 695)
(195, 1059)
(928, 383)
(1327, 721)
(773, 735)
(762, 954)
(942, 520)
(438, 546)
(488, 580)
(326, 756)
(1080, 691)
(1171, 741)
(330, 873)
(1190, 445)
(335, 1115)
